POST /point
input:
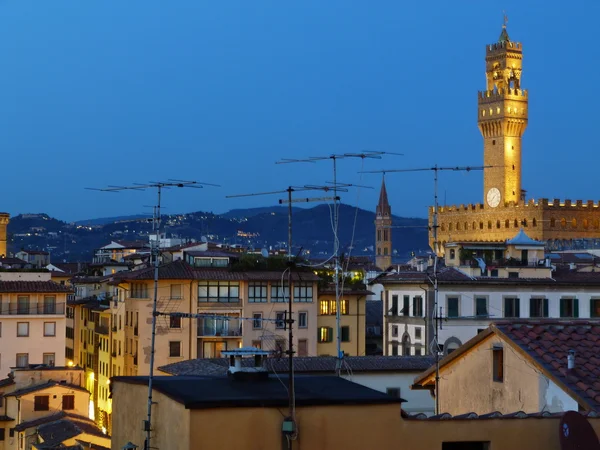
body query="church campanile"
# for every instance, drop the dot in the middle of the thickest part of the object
(383, 231)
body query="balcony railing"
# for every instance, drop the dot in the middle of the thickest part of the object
(101, 329)
(32, 309)
(220, 327)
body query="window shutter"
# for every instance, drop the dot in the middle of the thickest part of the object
(517, 307)
(575, 307)
(546, 314)
(329, 334)
(532, 311)
(562, 307)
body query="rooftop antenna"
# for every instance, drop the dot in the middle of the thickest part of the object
(334, 158)
(291, 262)
(159, 186)
(436, 251)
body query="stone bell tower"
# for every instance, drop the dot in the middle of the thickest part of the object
(383, 231)
(502, 119)
(4, 219)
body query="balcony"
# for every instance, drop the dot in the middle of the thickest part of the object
(212, 327)
(46, 309)
(101, 329)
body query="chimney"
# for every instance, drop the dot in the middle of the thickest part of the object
(238, 371)
(571, 360)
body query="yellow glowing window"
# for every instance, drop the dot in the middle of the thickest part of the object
(498, 110)
(574, 223)
(563, 222)
(483, 112)
(491, 111)
(325, 334)
(586, 224)
(324, 307)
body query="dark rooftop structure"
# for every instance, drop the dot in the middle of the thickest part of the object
(306, 365)
(216, 392)
(33, 286)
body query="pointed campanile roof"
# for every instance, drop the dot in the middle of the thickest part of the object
(383, 207)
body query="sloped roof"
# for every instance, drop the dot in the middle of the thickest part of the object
(305, 364)
(48, 419)
(56, 432)
(549, 343)
(522, 239)
(49, 287)
(383, 206)
(42, 386)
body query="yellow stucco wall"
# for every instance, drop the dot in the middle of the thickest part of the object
(357, 427)
(355, 319)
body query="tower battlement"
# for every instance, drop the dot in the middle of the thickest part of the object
(501, 47)
(484, 97)
(542, 203)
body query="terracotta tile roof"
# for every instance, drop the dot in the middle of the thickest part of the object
(48, 419)
(41, 387)
(495, 415)
(6, 382)
(445, 274)
(218, 274)
(177, 270)
(54, 433)
(549, 342)
(276, 276)
(49, 287)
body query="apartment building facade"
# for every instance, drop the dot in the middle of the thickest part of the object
(479, 284)
(32, 320)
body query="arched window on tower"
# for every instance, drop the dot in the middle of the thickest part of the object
(516, 223)
(507, 223)
(378, 235)
(443, 227)
(497, 224)
(450, 226)
(474, 226)
(586, 224)
(489, 224)
(534, 222)
(574, 223)
(481, 225)
(563, 222)
(524, 222)
(385, 235)
(596, 223)
(457, 226)
(466, 226)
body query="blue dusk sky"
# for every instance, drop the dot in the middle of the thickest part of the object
(102, 92)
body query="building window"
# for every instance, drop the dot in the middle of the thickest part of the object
(139, 290)
(418, 333)
(394, 309)
(569, 307)
(174, 322)
(325, 334)
(595, 307)
(394, 349)
(481, 307)
(219, 291)
(303, 292)
(257, 321)
(324, 307)
(406, 345)
(452, 253)
(257, 344)
(452, 307)
(345, 334)
(344, 307)
(49, 328)
(302, 347)
(418, 306)
(329, 307)
(498, 364)
(406, 305)
(418, 351)
(49, 359)
(176, 292)
(280, 293)
(302, 319)
(22, 359)
(280, 320)
(22, 329)
(257, 292)
(174, 349)
(41, 403)
(2, 435)
(49, 305)
(538, 307)
(393, 392)
(394, 330)
(68, 402)
(511, 307)
(23, 305)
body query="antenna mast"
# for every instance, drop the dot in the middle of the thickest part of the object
(436, 250)
(336, 187)
(155, 251)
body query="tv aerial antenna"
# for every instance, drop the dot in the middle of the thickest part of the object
(334, 157)
(436, 250)
(156, 221)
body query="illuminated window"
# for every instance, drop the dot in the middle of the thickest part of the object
(325, 334)
(257, 292)
(574, 223)
(586, 224)
(491, 111)
(498, 110)
(563, 222)
(324, 307)
(595, 223)
(483, 112)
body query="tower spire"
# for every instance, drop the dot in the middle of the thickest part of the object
(383, 231)
(383, 207)
(504, 35)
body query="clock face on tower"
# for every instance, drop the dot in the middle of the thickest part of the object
(493, 197)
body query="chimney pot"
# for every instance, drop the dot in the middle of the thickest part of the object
(571, 360)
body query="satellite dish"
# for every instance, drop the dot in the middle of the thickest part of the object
(204, 239)
(265, 253)
(576, 432)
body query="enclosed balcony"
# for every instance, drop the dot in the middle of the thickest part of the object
(26, 308)
(219, 326)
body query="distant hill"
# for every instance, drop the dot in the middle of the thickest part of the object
(255, 227)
